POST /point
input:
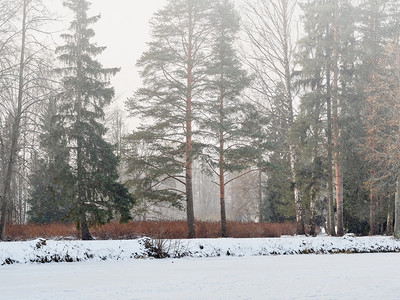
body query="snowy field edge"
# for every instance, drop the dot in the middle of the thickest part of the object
(47, 251)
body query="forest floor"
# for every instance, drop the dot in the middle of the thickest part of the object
(343, 276)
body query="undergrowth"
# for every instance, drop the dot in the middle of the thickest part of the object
(153, 229)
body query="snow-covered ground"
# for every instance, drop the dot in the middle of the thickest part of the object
(207, 269)
(72, 251)
(341, 276)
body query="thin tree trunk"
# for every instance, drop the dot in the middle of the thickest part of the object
(389, 220)
(293, 158)
(312, 225)
(189, 148)
(224, 231)
(20, 191)
(396, 232)
(336, 132)
(312, 229)
(331, 212)
(297, 198)
(372, 214)
(260, 198)
(15, 131)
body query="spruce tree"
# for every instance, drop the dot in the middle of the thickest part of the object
(378, 26)
(335, 85)
(315, 59)
(278, 202)
(85, 92)
(52, 182)
(383, 127)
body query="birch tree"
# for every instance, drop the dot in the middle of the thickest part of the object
(268, 26)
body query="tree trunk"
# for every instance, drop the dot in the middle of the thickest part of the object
(315, 175)
(288, 81)
(260, 198)
(224, 231)
(389, 220)
(396, 232)
(81, 192)
(312, 229)
(297, 198)
(331, 212)
(86, 236)
(15, 132)
(189, 148)
(372, 214)
(336, 132)
(189, 190)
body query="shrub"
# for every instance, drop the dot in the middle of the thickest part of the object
(152, 229)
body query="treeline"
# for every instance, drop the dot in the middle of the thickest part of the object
(301, 95)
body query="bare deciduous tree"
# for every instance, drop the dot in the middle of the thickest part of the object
(268, 25)
(24, 85)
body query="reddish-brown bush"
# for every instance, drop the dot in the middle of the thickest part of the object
(48, 231)
(154, 229)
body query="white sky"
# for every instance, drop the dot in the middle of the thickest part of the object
(124, 30)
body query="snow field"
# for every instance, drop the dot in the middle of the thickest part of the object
(342, 276)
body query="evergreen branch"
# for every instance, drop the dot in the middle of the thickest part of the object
(241, 175)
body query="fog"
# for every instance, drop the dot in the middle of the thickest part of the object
(123, 29)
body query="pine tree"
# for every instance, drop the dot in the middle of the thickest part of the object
(229, 124)
(85, 93)
(173, 70)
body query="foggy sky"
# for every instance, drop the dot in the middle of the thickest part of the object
(123, 29)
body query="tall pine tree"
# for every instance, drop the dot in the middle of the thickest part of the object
(173, 71)
(230, 126)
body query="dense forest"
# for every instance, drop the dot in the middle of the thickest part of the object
(252, 111)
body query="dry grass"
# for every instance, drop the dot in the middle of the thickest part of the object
(154, 229)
